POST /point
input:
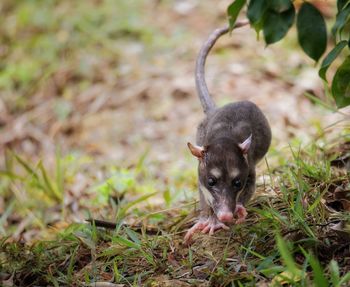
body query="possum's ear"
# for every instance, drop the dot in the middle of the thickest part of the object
(197, 151)
(244, 146)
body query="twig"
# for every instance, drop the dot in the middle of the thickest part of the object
(102, 223)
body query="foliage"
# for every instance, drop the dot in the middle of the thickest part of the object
(276, 17)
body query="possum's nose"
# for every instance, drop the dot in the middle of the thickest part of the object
(225, 216)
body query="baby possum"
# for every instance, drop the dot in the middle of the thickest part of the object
(230, 141)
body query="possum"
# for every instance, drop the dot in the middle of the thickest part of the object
(230, 141)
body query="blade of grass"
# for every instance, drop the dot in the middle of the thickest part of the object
(317, 201)
(253, 253)
(334, 270)
(5, 215)
(125, 242)
(59, 172)
(320, 102)
(133, 235)
(12, 176)
(318, 273)
(26, 166)
(344, 279)
(304, 224)
(49, 185)
(319, 278)
(141, 162)
(122, 211)
(286, 256)
(72, 261)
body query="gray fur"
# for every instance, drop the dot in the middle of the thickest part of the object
(220, 133)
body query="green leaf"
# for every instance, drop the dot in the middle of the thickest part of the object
(276, 25)
(280, 5)
(328, 60)
(312, 33)
(341, 84)
(233, 11)
(341, 20)
(258, 27)
(256, 10)
(256, 14)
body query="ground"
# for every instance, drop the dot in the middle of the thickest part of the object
(97, 104)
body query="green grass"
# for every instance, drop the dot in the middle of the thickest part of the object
(288, 237)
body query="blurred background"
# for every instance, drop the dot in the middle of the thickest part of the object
(97, 101)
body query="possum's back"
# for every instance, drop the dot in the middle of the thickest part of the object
(237, 121)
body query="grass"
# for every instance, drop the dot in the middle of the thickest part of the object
(290, 237)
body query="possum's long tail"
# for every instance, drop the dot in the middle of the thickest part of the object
(202, 89)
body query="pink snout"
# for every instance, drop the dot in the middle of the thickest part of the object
(225, 216)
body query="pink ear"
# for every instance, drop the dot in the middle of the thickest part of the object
(197, 151)
(244, 146)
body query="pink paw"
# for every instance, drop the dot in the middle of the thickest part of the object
(241, 213)
(213, 224)
(205, 225)
(198, 226)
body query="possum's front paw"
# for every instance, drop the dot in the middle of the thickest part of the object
(213, 224)
(200, 225)
(205, 224)
(241, 213)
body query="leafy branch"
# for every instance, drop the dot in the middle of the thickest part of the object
(275, 17)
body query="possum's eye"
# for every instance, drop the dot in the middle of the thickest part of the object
(236, 183)
(212, 181)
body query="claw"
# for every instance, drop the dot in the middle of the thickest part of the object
(198, 226)
(214, 225)
(207, 228)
